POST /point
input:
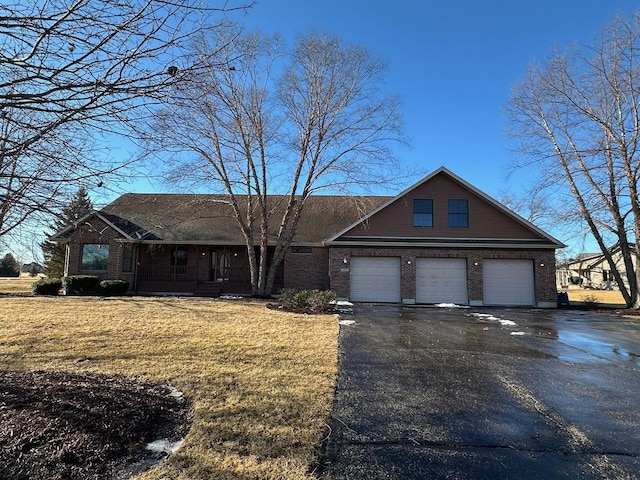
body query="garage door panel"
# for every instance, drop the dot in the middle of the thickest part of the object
(375, 279)
(441, 280)
(508, 282)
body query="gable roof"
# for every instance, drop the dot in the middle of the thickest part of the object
(193, 218)
(591, 260)
(539, 237)
(209, 219)
(117, 224)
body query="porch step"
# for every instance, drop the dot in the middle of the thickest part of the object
(208, 289)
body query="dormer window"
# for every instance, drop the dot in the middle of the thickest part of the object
(422, 212)
(459, 213)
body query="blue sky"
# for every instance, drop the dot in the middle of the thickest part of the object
(453, 62)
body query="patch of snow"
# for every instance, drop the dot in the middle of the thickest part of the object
(450, 305)
(346, 322)
(175, 393)
(164, 445)
(481, 315)
(230, 297)
(487, 316)
(518, 333)
(341, 303)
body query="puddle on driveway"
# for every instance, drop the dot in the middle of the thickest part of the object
(584, 347)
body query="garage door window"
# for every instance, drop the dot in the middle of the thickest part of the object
(458, 213)
(422, 212)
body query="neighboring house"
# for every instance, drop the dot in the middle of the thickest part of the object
(440, 241)
(32, 268)
(592, 270)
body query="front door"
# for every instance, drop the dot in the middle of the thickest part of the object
(219, 265)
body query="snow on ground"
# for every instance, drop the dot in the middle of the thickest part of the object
(175, 393)
(341, 303)
(164, 445)
(346, 322)
(450, 305)
(487, 316)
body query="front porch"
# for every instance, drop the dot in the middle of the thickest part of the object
(195, 270)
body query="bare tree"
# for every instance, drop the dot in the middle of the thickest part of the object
(263, 120)
(578, 120)
(71, 70)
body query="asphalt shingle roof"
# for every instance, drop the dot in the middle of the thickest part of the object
(210, 218)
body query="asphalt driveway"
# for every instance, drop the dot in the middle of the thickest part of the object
(430, 393)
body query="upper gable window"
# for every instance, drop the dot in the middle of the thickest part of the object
(459, 213)
(95, 257)
(422, 212)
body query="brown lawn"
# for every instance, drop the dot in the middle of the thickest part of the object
(603, 298)
(261, 381)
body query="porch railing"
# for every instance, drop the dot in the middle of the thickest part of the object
(187, 273)
(242, 275)
(166, 272)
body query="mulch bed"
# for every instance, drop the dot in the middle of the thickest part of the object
(62, 425)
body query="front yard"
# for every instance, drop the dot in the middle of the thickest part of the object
(261, 381)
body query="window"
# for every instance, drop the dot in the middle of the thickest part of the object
(301, 250)
(180, 257)
(95, 257)
(422, 213)
(459, 213)
(127, 259)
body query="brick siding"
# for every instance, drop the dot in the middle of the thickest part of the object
(307, 270)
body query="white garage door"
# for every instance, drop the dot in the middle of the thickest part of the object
(441, 280)
(508, 282)
(375, 279)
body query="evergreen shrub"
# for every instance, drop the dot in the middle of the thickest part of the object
(47, 286)
(110, 288)
(81, 284)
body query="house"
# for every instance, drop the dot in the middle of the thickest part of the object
(441, 240)
(592, 270)
(32, 268)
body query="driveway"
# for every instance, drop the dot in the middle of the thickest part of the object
(430, 393)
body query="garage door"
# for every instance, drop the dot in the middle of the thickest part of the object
(508, 282)
(441, 280)
(375, 279)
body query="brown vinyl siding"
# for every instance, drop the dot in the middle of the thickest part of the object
(485, 220)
